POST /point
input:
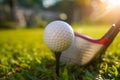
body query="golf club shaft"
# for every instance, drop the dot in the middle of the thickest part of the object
(112, 33)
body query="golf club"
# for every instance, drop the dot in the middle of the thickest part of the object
(85, 49)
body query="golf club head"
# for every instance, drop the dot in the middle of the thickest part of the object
(83, 50)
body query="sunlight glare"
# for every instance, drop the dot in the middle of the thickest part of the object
(114, 2)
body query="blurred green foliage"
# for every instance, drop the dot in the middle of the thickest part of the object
(24, 56)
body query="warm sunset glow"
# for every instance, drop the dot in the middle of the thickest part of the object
(109, 10)
(114, 2)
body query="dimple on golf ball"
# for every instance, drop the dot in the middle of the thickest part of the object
(58, 36)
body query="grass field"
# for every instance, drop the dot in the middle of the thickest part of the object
(24, 56)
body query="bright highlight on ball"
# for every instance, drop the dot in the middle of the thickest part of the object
(58, 36)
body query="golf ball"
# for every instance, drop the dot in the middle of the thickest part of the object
(58, 36)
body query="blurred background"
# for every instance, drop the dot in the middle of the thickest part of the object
(37, 13)
(23, 53)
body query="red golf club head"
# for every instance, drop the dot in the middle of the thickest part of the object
(85, 49)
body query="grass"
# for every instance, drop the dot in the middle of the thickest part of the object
(24, 56)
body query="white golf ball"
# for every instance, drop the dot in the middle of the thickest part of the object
(58, 36)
